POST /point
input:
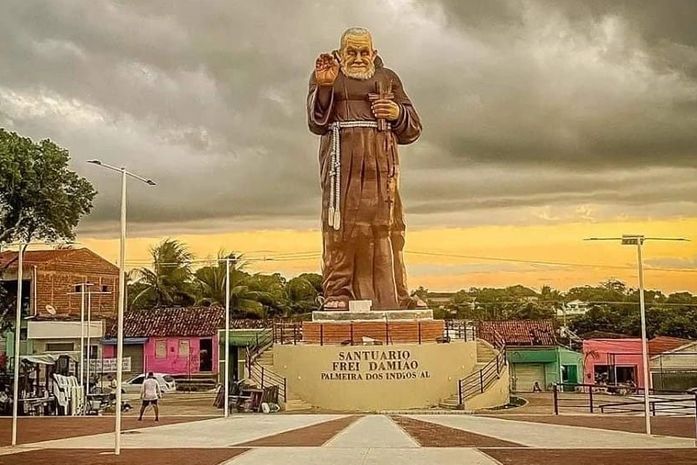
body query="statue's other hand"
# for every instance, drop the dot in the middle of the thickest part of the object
(326, 69)
(385, 109)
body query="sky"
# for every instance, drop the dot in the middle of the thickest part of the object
(545, 122)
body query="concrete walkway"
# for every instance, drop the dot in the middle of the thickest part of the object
(377, 439)
(219, 432)
(362, 456)
(553, 436)
(374, 431)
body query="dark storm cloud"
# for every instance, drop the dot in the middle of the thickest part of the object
(529, 106)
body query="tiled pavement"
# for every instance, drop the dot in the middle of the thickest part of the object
(368, 439)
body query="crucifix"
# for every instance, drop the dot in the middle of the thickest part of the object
(382, 94)
(386, 94)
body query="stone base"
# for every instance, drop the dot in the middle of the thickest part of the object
(374, 378)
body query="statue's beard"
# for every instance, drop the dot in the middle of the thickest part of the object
(362, 75)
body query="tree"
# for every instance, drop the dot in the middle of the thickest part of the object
(169, 283)
(302, 292)
(269, 290)
(40, 197)
(210, 284)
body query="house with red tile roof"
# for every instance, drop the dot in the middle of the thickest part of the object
(535, 358)
(176, 341)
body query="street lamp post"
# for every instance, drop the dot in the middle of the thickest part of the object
(226, 389)
(18, 323)
(89, 333)
(638, 240)
(82, 286)
(122, 293)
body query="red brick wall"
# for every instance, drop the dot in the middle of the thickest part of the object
(394, 331)
(55, 284)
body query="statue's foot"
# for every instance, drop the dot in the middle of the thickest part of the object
(331, 304)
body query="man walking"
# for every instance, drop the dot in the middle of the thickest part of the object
(150, 392)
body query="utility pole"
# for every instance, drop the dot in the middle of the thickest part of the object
(638, 240)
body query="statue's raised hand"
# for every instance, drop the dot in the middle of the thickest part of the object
(326, 70)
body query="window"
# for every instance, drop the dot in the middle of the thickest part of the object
(94, 352)
(60, 347)
(137, 380)
(183, 347)
(161, 348)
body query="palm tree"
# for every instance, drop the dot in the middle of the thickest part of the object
(210, 281)
(169, 282)
(301, 294)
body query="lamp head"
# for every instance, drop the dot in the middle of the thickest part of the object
(632, 239)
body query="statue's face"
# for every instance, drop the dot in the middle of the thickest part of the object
(358, 57)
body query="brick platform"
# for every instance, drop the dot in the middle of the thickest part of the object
(385, 332)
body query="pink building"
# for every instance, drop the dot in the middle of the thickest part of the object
(176, 341)
(618, 361)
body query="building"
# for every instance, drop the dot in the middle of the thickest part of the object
(176, 341)
(52, 300)
(619, 361)
(675, 369)
(533, 354)
(49, 279)
(573, 309)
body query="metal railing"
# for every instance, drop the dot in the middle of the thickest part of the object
(259, 374)
(477, 382)
(263, 377)
(463, 330)
(287, 332)
(600, 398)
(292, 333)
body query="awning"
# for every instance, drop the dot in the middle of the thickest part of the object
(46, 359)
(126, 341)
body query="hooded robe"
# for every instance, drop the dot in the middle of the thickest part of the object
(363, 259)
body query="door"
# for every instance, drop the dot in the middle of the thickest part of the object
(569, 374)
(525, 375)
(206, 355)
(135, 351)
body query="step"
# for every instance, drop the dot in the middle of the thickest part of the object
(449, 405)
(296, 405)
(198, 376)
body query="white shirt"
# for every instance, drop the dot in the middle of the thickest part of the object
(150, 389)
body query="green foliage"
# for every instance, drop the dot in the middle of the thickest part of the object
(173, 282)
(613, 307)
(40, 197)
(169, 282)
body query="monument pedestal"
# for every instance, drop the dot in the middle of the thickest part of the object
(373, 327)
(371, 361)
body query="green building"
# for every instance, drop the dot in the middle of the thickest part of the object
(534, 354)
(240, 340)
(542, 365)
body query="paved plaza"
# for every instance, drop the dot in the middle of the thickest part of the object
(340, 439)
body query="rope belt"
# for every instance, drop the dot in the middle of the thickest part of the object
(334, 213)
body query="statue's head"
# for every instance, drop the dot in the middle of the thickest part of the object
(357, 54)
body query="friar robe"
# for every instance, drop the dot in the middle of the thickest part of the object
(363, 259)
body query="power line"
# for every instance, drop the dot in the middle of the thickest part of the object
(590, 302)
(545, 262)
